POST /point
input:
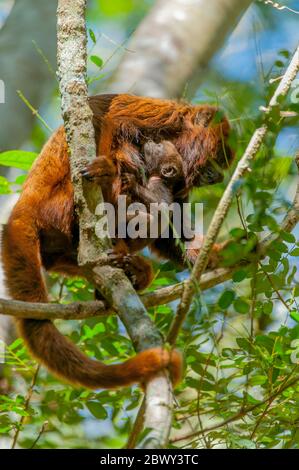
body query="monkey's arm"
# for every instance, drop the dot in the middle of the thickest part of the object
(100, 167)
(145, 196)
(156, 191)
(184, 254)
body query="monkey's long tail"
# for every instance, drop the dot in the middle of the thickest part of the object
(59, 355)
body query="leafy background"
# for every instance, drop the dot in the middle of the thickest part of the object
(239, 341)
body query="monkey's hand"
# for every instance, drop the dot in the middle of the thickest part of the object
(128, 182)
(228, 253)
(193, 249)
(100, 167)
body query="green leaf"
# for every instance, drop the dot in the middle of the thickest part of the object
(273, 255)
(226, 299)
(285, 53)
(288, 237)
(228, 352)
(238, 232)
(97, 410)
(265, 341)
(295, 315)
(218, 117)
(20, 180)
(96, 60)
(280, 247)
(92, 36)
(241, 306)
(279, 168)
(295, 252)
(16, 344)
(246, 443)
(258, 380)
(5, 430)
(116, 7)
(4, 186)
(239, 276)
(244, 344)
(267, 307)
(18, 159)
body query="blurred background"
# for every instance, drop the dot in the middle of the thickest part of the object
(239, 73)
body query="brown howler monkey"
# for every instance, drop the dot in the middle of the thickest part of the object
(42, 231)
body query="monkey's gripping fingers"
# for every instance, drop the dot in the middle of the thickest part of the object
(227, 253)
(100, 167)
(194, 247)
(137, 268)
(128, 182)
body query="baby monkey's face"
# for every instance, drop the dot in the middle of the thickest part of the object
(163, 161)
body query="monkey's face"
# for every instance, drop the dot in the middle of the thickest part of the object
(204, 147)
(164, 161)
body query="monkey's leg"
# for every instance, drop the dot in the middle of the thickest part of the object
(100, 167)
(177, 251)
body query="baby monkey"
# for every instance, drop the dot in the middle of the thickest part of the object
(164, 179)
(165, 175)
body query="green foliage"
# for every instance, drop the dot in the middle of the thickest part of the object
(4, 186)
(245, 395)
(96, 60)
(118, 7)
(18, 159)
(241, 338)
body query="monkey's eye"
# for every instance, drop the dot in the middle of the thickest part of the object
(168, 171)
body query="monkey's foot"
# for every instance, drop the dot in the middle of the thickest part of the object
(137, 268)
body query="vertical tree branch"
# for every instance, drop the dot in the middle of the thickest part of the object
(112, 282)
(77, 116)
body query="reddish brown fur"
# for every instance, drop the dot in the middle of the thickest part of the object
(164, 178)
(42, 229)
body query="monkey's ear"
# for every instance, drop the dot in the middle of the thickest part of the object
(205, 116)
(210, 116)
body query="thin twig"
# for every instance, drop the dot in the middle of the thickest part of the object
(137, 427)
(26, 406)
(41, 432)
(33, 110)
